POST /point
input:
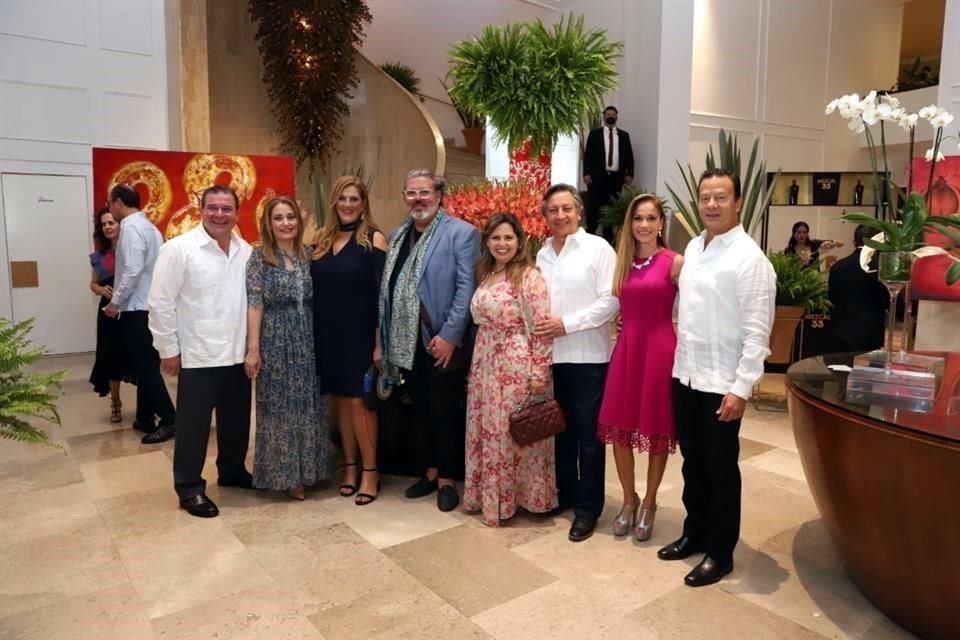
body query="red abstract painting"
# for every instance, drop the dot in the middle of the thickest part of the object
(170, 183)
(928, 282)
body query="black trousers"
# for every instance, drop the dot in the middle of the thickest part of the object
(581, 457)
(439, 399)
(603, 187)
(153, 399)
(200, 392)
(711, 471)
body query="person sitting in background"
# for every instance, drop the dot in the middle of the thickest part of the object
(859, 301)
(806, 249)
(110, 366)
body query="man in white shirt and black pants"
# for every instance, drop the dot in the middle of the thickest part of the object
(727, 297)
(198, 316)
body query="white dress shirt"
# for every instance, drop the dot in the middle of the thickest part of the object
(615, 165)
(198, 301)
(727, 298)
(137, 247)
(580, 280)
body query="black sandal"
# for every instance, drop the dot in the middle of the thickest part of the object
(347, 490)
(363, 499)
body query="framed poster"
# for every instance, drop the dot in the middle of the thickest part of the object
(929, 274)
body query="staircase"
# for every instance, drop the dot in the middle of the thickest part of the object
(462, 166)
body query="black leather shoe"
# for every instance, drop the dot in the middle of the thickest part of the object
(421, 488)
(244, 481)
(145, 427)
(162, 433)
(707, 572)
(200, 506)
(558, 510)
(682, 547)
(582, 528)
(447, 498)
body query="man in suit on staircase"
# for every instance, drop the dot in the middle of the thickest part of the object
(607, 167)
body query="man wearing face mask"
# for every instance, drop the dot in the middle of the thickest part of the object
(607, 167)
(425, 328)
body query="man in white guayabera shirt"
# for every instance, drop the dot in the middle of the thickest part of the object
(198, 316)
(727, 295)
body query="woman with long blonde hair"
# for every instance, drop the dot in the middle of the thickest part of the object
(511, 364)
(346, 268)
(637, 412)
(290, 452)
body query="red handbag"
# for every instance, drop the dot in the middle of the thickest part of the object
(536, 422)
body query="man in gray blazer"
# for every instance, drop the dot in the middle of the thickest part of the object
(426, 329)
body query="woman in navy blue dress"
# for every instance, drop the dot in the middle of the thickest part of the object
(346, 268)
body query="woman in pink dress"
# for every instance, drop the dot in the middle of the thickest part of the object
(510, 365)
(637, 412)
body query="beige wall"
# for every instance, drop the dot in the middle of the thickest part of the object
(387, 131)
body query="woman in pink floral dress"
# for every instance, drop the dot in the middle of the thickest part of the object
(510, 365)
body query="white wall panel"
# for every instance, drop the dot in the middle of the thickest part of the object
(795, 87)
(41, 112)
(125, 26)
(703, 136)
(130, 116)
(726, 54)
(791, 153)
(56, 21)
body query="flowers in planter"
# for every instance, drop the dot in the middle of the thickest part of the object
(900, 228)
(476, 201)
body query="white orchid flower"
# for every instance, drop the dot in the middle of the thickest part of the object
(870, 115)
(890, 100)
(907, 121)
(928, 156)
(849, 106)
(869, 100)
(885, 112)
(866, 253)
(928, 112)
(856, 125)
(941, 119)
(832, 106)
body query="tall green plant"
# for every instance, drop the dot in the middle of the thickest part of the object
(756, 196)
(799, 285)
(535, 82)
(25, 395)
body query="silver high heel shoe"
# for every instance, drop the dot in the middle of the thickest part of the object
(644, 528)
(626, 518)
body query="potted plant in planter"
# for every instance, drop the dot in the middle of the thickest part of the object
(800, 290)
(24, 395)
(473, 123)
(405, 76)
(534, 83)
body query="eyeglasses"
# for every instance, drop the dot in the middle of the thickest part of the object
(410, 194)
(215, 209)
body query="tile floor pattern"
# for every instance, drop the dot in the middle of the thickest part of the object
(92, 546)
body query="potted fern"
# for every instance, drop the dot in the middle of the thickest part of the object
(800, 290)
(535, 83)
(25, 395)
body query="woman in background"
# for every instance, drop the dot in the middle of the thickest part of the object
(346, 269)
(291, 444)
(110, 365)
(637, 412)
(806, 249)
(510, 366)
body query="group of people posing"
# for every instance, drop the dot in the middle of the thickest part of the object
(472, 327)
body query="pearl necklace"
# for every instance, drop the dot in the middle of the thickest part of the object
(638, 267)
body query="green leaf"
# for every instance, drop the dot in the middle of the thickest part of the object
(953, 273)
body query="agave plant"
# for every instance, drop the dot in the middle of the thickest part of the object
(535, 82)
(755, 199)
(24, 395)
(405, 76)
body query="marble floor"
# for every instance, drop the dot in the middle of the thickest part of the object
(93, 546)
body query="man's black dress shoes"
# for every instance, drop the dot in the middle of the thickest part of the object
(681, 548)
(447, 498)
(145, 427)
(582, 528)
(200, 506)
(161, 434)
(421, 488)
(244, 481)
(707, 572)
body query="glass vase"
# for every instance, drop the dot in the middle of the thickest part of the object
(894, 272)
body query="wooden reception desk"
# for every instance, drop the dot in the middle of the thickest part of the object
(887, 485)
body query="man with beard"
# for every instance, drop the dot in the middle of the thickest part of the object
(607, 167)
(425, 328)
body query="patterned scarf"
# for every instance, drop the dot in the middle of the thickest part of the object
(400, 318)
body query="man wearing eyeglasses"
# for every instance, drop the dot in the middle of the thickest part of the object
(137, 249)
(198, 316)
(425, 328)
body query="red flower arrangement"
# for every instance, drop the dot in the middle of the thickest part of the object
(475, 202)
